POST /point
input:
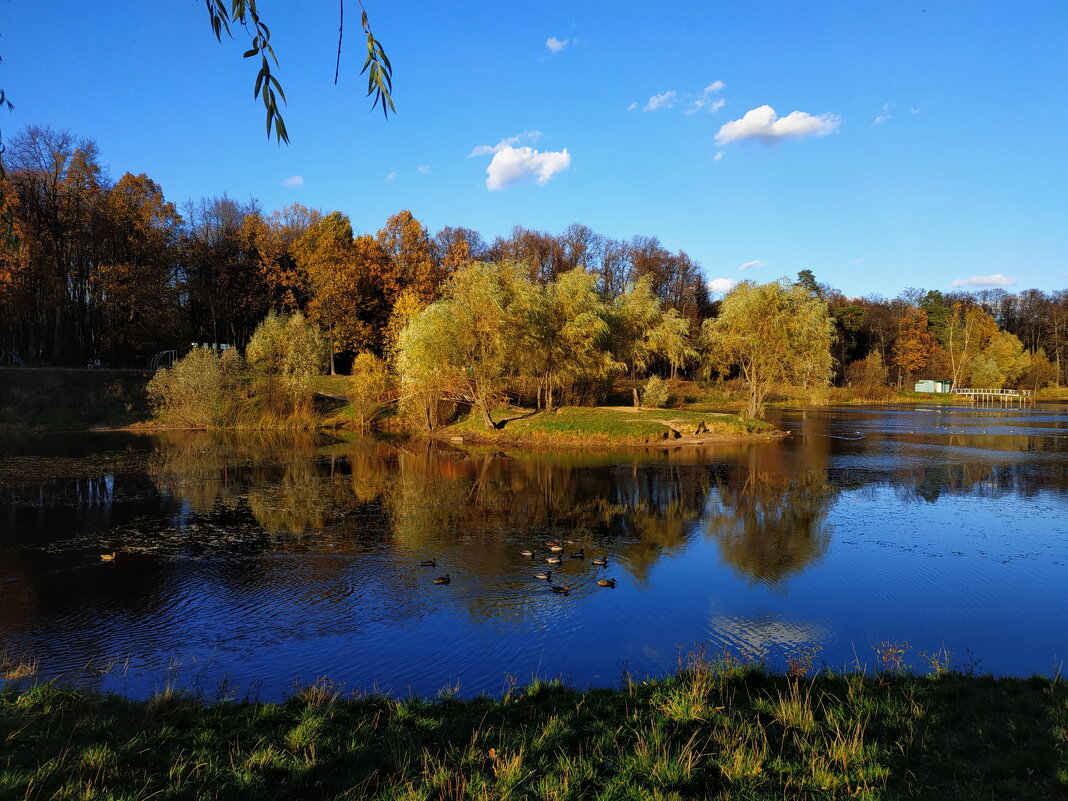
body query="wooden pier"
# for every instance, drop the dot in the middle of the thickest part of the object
(1005, 397)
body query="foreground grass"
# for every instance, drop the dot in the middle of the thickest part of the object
(580, 425)
(723, 731)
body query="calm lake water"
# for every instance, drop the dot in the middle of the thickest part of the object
(248, 564)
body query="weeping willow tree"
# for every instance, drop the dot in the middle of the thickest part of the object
(458, 347)
(772, 333)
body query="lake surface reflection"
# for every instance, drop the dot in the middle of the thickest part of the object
(255, 562)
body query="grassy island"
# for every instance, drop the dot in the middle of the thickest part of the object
(577, 426)
(718, 729)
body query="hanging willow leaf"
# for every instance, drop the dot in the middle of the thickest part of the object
(379, 71)
(267, 87)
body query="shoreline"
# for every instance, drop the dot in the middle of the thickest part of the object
(467, 438)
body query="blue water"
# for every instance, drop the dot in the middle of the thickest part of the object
(247, 566)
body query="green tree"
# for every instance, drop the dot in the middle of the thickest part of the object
(286, 352)
(671, 340)
(776, 332)
(458, 347)
(634, 315)
(562, 332)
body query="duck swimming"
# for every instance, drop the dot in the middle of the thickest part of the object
(554, 560)
(556, 547)
(579, 554)
(442, 579)
(544, 575)
(606, 583)
(108, 557)
(561, 590)
(429, 563)
(601, 560)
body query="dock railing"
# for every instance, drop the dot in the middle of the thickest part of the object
(1006, 396)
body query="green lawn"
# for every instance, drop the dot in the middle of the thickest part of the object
(716, 730)
(580, 424)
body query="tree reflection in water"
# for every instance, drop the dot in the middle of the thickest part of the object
(771, 525)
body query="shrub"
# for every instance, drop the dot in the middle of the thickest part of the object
(191, 392)
(285, 353)
(368, 388)
(656, 393)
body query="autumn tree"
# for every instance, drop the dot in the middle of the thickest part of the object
(869, 375)
(368, 388)
(136, 287)
(914, 344)
(221, 270)
(1040, 372)
(458, 247)
(967, 331)
(276, 237)
(412, 264)
(342, 272)
(775, 332)
(1000, 363)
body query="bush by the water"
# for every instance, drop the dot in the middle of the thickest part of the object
(656, 393)
(271, 386)
(368, 388)
(192, 392)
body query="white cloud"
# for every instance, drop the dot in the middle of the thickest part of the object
(762, 123)
(858, 261)
(293, 181)
(883, 117)
(712, 106)
(749, 265)
(704, 99)
(632, 106)
(511, 164)
(389, 178)
(914, 111)
(556, 45)
(485, 150)
(721, 286)
(424, 169)
(663, 100)
(718, 156)
(997, 279)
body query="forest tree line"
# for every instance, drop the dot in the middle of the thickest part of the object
(111, 270)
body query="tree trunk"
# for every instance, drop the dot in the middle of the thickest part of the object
(490, 425)
(634, 392)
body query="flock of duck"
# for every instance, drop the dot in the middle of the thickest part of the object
(556, 549)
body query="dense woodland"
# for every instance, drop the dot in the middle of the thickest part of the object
(111, 270)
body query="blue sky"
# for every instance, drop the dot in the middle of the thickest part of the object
(928, 147)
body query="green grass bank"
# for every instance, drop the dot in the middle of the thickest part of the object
(583, 426)
(715, 730)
